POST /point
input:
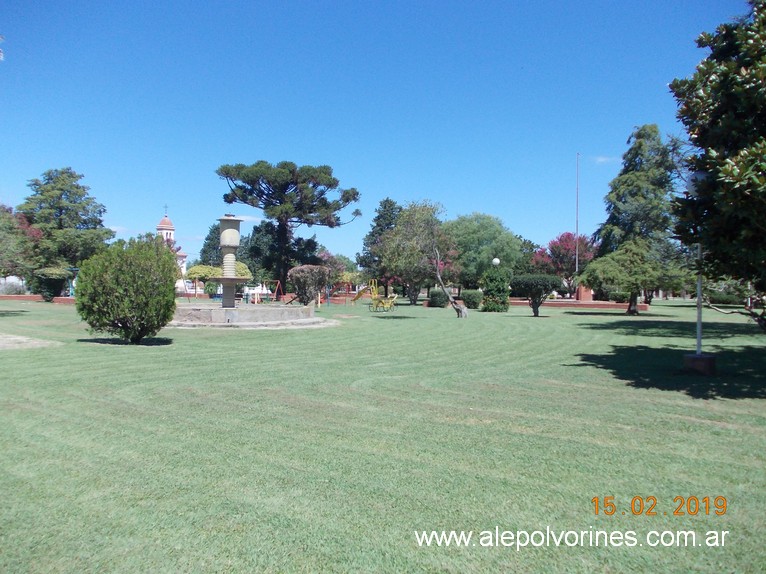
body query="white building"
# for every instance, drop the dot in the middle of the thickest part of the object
(167, 231)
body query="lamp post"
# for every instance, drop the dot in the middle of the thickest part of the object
(699, 361)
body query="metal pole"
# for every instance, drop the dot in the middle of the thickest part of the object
(577, 216)
(699, 300)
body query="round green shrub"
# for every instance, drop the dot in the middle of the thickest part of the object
(472, 298)
(438, 298)
(128, 290)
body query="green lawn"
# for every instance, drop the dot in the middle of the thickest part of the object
(325, 450)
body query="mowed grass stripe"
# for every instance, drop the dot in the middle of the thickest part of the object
(323, 450)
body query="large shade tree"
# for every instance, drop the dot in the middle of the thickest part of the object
(479, 238)
(16, 243)
(638, 204)
(69, 221)
(385, 218)
(290, 196)
(418, 251)
(723, 108)
(629, 269)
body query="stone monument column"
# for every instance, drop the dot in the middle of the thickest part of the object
(229, 245)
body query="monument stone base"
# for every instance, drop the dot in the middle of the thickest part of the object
(702, 363)
(213, 315)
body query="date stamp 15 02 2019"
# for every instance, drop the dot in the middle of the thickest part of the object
(649, 506)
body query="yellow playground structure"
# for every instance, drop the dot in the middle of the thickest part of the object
(377, 302)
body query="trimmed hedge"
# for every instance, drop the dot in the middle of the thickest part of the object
(472, 298)
(438, 298)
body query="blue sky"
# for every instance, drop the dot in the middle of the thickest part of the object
(480, 106)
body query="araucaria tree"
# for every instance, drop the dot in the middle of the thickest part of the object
(70, 224)
(291, 196)
(723, 107)
(128, 289)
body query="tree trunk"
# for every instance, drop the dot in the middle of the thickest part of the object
(283, 246)
(460, 309)
(413, 291)
(633, 303)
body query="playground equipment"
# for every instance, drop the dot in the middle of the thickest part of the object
(377, 302)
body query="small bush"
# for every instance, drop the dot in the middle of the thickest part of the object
(308, 281)
(619, 296)
(472, 298)
(725, 298)
(128, 290)
(438, 298)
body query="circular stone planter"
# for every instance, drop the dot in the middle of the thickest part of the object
(213, 315)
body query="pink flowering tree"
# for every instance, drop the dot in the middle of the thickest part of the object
(562, 255)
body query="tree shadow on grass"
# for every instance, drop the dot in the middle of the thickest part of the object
(390, 316)
(14, 313)
(740, 373)
(661, 328)
(644, 315)
(147, 342)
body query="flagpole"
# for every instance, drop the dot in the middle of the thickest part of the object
(577, 216)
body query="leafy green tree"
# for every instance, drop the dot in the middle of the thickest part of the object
(15, 244)
(536, 288)
(203, 273)
(528, 251)
(385, 219)
(416, 250)
(261, 251)
(289, 195)
(210, 254)
(638, 204)
(479, 238)
(628, 269)
(308, 281)
(338, 265)
(723, 108)
(128, 290)
(673, 266)
(69, 220)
